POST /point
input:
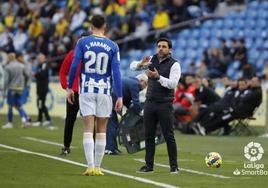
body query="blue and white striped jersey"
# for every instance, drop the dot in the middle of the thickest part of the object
(100, 66)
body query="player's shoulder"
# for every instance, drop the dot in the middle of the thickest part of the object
(113, 45)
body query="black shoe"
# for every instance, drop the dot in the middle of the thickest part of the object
(146, 169)
(174, 170)
(65, 151)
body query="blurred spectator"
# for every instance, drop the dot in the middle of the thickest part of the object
(234, 48)
(61, 27)
(113, 19)
(178, 11)
(9, 47)
(35, 28)
(77, 19)
(9, 20)
(10, 6)
(47, 10)
(115, 7)
(59, 14)
(20, 38)
(202, 69)
(161, 19)
(192, 68)
(23, 10)
(214, 64)
(49, 21)
(226, 54)
(4, 34)
(140, 28)
(241, 54)
(248, 71)
(208, 6)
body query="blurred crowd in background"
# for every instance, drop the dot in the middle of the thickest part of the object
(50, 27)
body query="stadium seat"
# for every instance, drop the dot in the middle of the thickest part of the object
(264, 5)
(250, 22)
(232, 15)
(190, 53)
(218, 23)
(215, 43)
(181, 42)
(179, 53)
(185, 33)
(228, 23)
(263, 14)
(265, 44)
(253, 5)
(228, 33)
(208, 24)
(205, 32)
(241, 15)
(195, 33)
(252, 13)
(193, 43)
(261, 23)
(239, 23)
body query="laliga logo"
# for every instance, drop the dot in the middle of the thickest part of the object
(253, 151)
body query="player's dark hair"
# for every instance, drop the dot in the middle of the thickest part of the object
(166, 40)
(98, 21)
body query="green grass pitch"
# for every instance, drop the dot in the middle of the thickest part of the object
(24, 170)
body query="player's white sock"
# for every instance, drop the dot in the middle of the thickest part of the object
(100, 144)
(88, 143)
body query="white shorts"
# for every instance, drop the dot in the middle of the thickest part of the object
(99, 105)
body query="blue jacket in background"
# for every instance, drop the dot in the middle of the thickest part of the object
(131, 89)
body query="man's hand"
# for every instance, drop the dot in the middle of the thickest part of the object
(153, 74)
(70, 96)
(119, 104)
(144, 62)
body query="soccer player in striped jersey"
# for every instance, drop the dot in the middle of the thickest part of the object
(99, 71)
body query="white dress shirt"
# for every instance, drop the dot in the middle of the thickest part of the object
(174, 76)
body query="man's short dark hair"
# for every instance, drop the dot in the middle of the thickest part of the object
(166, 40)
(98, 21)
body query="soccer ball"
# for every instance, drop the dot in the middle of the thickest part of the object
(213, 159)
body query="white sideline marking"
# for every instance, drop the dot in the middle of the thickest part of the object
(189, 160)
(188, 170)
(44, 141)
(143, 180)
(229, 161)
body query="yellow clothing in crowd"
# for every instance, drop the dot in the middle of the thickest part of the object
(9, 20)
(35, 28)
(61, 27)
(161, 20)
(117, 8)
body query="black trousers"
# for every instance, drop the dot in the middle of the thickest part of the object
(42, 109)
(162, 113)
(71, 114)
